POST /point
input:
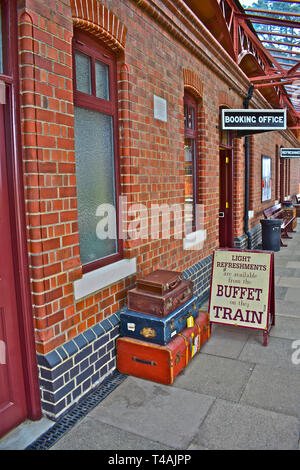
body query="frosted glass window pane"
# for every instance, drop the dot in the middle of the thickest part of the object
(102, 80)
(189, 183)
(1, 61)
(95, 181)
(83, 73)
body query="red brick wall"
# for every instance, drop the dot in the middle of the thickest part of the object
(265, 144)
(151, 157)
(49, 165)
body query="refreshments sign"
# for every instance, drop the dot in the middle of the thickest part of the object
(242, 289)
(253, 119)
(290, 153)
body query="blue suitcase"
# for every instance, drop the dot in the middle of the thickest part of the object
(155, 329)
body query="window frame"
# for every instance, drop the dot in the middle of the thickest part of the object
(86, 44)
(7, 65)
(1, 38)
(191, 102)
(269, 159)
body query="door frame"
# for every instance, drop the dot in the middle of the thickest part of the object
(226, 168)
(17, 214)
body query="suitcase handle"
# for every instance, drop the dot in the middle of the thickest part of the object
(143, 361)
(185, 317)
(172, 285)
(186, 295)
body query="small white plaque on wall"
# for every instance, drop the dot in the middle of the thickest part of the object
(160, 108)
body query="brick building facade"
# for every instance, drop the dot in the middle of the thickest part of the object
(157, 57)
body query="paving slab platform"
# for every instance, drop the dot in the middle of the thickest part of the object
(235, 394)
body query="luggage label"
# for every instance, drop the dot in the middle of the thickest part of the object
(194, 345)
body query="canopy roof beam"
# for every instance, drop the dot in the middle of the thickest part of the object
(277, 76)
(268, 20)
(273, 12)
(277, 49)
(275, 33)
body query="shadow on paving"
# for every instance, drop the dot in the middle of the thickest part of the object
(234, 394)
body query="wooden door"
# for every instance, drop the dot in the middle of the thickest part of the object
(225, 205)
(12, 391)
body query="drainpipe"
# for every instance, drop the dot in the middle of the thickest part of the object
(247, 166)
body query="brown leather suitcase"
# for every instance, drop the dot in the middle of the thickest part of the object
(159, 282)
(160, 305)
(156, 362)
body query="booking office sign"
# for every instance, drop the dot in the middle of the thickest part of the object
(242, 289)
(254, 119)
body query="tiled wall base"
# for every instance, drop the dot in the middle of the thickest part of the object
(200, 274)
(72, 370)
(69, 372)
(255, 239)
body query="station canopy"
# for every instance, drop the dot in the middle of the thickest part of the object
(277, 25)
(263, 38)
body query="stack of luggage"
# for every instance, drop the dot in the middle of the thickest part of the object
(162, 327)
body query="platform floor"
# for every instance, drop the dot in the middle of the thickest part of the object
(235, 394)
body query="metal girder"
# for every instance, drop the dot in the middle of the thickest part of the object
(277, 49)
(273, 12)
(256, 41)
(263, 85)
(285, 58)
(294, 68)
(284, 1)
(269, 20)
(277, 76)
(281, 43)
(275, 33)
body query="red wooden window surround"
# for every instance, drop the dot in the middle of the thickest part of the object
(86, 46)
(191, 160)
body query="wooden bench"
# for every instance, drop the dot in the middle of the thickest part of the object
(297, 204)
(278, 212)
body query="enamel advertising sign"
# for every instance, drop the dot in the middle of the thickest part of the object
(242, 289)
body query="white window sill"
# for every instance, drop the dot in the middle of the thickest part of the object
(194, 240)
(103, 277)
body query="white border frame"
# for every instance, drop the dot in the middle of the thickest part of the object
(295, 149)
(252, 128)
